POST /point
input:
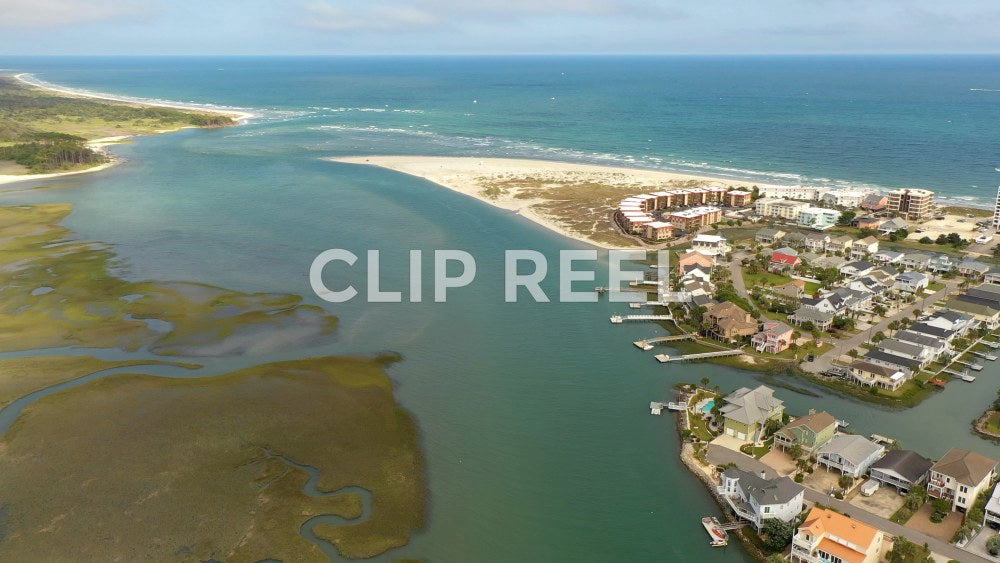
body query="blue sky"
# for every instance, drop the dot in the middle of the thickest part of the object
(497, 26)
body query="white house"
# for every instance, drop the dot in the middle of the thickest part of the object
(845, 197)
(936, 346)
(756, 498)
(960, 476)
(857, 269)
(917, 260)
(849, 454)
(888, 257)
(907, 350)
(863, 247)
(710, 245)
(911, 282)
(991, 516)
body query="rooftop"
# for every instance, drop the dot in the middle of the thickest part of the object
(750, 406)
(906, 463)
(966, 467)
(765, 491)
(826, 523)
(851, 447)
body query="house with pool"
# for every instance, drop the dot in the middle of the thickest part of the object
(745, 412)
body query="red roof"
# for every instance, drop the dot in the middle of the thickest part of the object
(781, 258)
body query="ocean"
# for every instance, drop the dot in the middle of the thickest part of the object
(534, 418)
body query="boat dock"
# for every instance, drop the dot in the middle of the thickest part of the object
(664, 358)
(681, 406)
(964, 376)
(656, 408)
(991, 344)
(619, 319)
(880, 439)
(647, 344)
(718, 535)
(843, 423)
(985, 356)
(972, 366)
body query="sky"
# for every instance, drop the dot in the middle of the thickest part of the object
(377, 27)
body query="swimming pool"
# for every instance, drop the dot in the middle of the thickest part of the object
(708, 407)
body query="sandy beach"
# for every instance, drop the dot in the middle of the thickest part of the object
(531, 188)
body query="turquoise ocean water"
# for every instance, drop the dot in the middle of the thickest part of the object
(534, 417)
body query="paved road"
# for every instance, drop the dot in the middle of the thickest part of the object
(736, 269)
(841, 347)
(718, 455)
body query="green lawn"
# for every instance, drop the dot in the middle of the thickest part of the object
(764, 279)
(935, 286)
(993, 423)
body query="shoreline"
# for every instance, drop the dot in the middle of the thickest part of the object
(460, 174)
(240, 117)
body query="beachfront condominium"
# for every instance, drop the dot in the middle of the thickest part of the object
(818, 218)
(845, 198)
(779, 208)
(996, 213)
(792, 192)
(911, 203)
(691, 220)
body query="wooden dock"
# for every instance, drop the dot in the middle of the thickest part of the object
(647, 344)
(619, 319)
(664, 358)
(985, 356)
(991, 344)
(970, 365)
(964, 376)
(656, 408)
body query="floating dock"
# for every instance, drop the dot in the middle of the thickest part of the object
(656, 408)
(681, 406)
(643, 345)
(880, 439)
(991, 344)
(619, 319)
(985, 356)
(970, 365)
(843, 423)
(664, 358)
(964, 376)
(719, 537)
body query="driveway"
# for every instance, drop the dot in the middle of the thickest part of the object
(978, 543)
(885, 502)
(841, 347)
(944, 530)
(779, 461)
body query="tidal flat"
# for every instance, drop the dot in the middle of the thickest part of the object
(82, 303)
(152, 468)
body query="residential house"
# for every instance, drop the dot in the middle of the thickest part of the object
(935, 345)
(857, 268)
(829, 303)
(818, 218)
(822, 320)
(847, 197)
(780, 262)
(794, 238)
(835, 262)
(710, 245)
(831, 537)
(992, 276)
(973, 269)
(868, 284)
(887, 257)
(874, 375)
(840, 243)
(951, 320)
(908, 366)
(849, 454)
(936, 332)
(916, 261)
(863, 247)
(941, 264)
(746, 412)
(769, 236)
(906, 350)
(809, 432)
(774, 337)
(867, 222)
(791, 291)
(730, 322)
(892, 225)
(875, 202)
(848, 299)
(697, 272)
(902, 469)
(960, 476)
(756, 499)
(911, 282)
(984, 314)
(985, 294)
(991, 516)
(816, 243)
(690, 258)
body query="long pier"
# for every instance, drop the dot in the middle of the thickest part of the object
(619, 319)
(664, 358)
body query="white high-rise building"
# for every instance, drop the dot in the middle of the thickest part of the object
(996, 213)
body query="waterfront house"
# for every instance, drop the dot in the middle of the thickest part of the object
(728, 321)
(810, 431)
(864, 247)
(870, 374)
(857, 268)
(781, 261)
(911, 282)
(887, 257)
(755, 498)
(973, 269)
(992, 276)
(902, 469)
(827, 537)
(991, 516)
(906, 350)
(816, 243)
(840, 243)
(942, 263)
(774, 337)
(689, 258)
(960, 476)
(892, 225)
(916, 261)
(710, 245)
(935, 345)
(794, 238)
(769, 235)
(822, 320)
(818, 218)
(984, 314)
(908, 366)
(746, 412)
(951, 320)
(984, 293)
(875, 202)
(936, 332)
(849, 454)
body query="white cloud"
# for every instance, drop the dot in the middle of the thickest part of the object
(56, 13)
(325, 15)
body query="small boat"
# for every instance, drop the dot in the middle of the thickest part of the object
(719, 536)
(843, 423)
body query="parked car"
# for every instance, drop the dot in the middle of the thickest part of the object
(983, 239)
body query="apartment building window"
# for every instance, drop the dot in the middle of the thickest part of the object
(963, 489)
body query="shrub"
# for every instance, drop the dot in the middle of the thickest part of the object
(799, 478)
(993, 545)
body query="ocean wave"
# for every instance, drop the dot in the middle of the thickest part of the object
(984, 90)
(386, 109)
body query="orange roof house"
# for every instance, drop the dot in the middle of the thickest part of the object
(826, 535)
